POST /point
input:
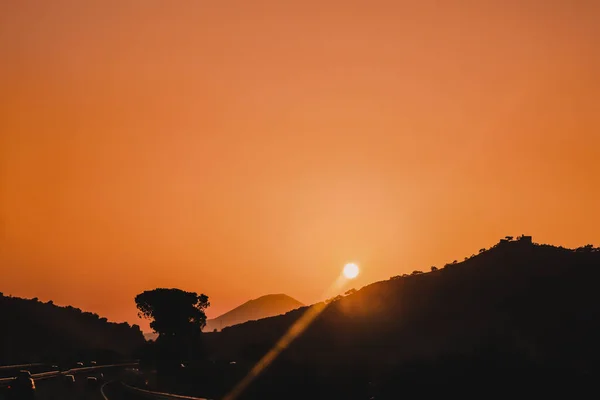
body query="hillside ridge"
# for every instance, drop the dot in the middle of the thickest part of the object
(517, 295)
(44, 332)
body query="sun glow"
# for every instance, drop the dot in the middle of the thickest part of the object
(351, 271)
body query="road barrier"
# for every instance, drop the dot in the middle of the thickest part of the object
(43, 375)
(20, 366)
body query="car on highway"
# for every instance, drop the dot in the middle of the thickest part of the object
(93, 363)
(79, 364)
(22, 387)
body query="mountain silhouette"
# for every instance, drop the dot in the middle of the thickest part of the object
(517, 314)
(262, 307)
(34, 331)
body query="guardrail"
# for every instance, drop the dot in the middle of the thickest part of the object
(157, 395)
(52, 374)
(20, 366)
(83, 369)
(43, 375)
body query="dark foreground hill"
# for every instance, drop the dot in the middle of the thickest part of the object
(32, 331)
(519, 316)
(262, 307)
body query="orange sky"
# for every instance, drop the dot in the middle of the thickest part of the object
(240, 148)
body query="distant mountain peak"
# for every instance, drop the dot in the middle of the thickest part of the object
(262, 307)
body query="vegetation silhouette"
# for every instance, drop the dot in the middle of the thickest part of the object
(178, 317)
(33, 331)
(173, 312)
(517, 317)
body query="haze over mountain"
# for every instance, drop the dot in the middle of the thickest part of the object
(265, 306)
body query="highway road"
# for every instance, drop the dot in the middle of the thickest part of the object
(56, 388)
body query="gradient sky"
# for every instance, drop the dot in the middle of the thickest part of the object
(240, 148)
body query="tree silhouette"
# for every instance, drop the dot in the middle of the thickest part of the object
(173, 312)
(433, 269)
(334, 299)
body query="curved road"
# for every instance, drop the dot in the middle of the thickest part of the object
(115, 391)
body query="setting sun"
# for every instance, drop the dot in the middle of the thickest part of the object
(351, 271)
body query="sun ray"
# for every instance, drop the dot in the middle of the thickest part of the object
(293, 332)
